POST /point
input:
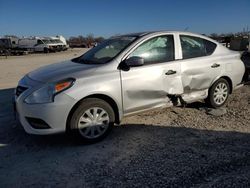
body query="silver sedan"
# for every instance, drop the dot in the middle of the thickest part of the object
(125, 75)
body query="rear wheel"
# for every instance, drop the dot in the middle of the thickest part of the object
(92, 120)
(218, 93)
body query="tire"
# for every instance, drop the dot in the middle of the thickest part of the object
(218, 93)
(46, 50)
(96, 118)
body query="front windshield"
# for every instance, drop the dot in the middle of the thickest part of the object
(57, 41)
(106, 51)
(46, 41)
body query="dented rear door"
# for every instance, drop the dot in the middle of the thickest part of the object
(199, 67)
(199, 73)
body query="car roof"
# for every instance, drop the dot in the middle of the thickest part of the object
(139, 34)
(142, 34)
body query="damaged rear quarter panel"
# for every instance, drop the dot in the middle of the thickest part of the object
(198, 74)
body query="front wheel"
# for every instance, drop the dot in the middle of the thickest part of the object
(92, 120)
(218, 93)
(46, 50)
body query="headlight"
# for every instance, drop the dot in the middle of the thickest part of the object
(47, 93)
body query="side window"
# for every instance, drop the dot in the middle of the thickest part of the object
(39, 42)
(210, 47)
(195, 47)
(156, 50)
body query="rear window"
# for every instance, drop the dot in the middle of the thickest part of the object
(196, 47)
(210, 47)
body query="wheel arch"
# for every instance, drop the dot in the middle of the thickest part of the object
(228, 79)
(229, 82)
(104, 97)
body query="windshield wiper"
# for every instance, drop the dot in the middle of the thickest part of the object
(83, 61)
(75, 60)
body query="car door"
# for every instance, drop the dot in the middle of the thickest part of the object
(199, 68)
(39, 46)
(147, 86)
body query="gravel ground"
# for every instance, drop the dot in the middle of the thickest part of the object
(173, 147)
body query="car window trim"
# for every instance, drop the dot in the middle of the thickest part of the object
(199, 38)
(146, 39)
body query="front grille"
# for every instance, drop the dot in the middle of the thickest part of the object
(20, 90)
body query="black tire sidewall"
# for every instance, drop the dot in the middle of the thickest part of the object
(83, 106)
(210, 100)
(46, 50)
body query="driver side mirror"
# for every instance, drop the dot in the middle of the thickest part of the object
(134, 61)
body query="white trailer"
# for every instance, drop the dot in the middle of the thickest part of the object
(36, 44)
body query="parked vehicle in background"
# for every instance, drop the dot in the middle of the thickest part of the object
(224, 40)
(125, 75)
(60, 45)
(248, 46)
(9, 46)
(239, 44)
(246, 59)
(63, 40)
(78, 45)
(9, 42)
(77, 42)
(37, 44)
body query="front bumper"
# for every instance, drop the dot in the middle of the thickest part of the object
(54, 114)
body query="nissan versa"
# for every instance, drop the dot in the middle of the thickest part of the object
(125, 75)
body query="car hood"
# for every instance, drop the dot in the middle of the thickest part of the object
(58, 71)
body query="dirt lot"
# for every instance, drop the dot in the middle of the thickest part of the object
(14, 67)
(174, 147)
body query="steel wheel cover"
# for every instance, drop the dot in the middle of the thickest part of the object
(220, 93)
(93, 122)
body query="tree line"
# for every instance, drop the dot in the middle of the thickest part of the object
(87, 42)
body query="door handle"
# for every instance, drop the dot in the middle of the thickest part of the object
(170, 72)
(215, 65)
